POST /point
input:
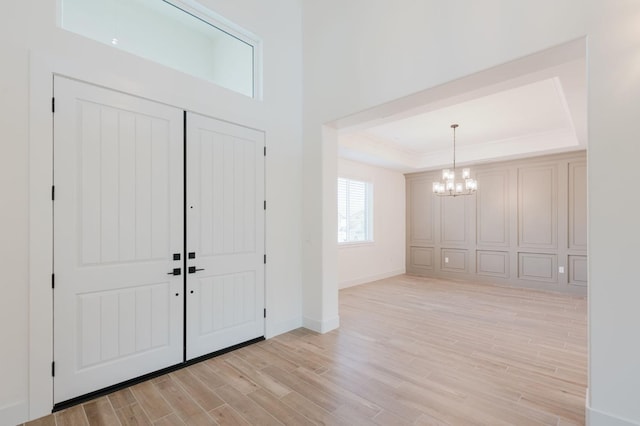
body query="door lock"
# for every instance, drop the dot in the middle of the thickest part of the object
(176, 271)
(193, 269)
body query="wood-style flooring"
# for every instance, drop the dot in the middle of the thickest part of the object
(409, 351)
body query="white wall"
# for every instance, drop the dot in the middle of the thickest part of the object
(385, 257)
(361, 53)
(30, 39)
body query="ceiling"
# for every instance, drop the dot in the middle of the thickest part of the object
(536, 113)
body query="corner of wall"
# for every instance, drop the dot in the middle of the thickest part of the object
(282, 327)
(599, 418)
(323, 326)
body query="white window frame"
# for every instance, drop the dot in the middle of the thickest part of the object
(207, 15)
(368, 213)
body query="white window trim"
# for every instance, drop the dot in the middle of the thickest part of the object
(201, 12)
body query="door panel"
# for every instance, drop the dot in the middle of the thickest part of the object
(118, 218)
(225, 195)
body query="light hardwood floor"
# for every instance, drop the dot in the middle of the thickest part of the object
(409, 351)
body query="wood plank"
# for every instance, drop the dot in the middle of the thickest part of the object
(246, 407)
(278, 409)
(204, 396)
(312, 411)
(73, 416)
(100, 412)
(226, 415)
(121, 398)
(171, 420)
(181, 403)
(132, 415)
(151, 401)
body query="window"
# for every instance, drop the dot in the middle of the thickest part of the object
(355, 211)
(173, 34)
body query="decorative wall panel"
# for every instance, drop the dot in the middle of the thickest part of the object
(526, 222)
(420, 212)
(578, 270)
(453, 220)
(537, 206)
(538, 267)
(578, 205)
(454, 260)
(493, 208)
(421, 257)
(492, 263)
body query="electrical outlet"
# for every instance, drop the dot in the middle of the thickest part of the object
(446, 260)
(561, 269)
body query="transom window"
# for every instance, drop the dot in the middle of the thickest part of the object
(173, 33)
(355, 211)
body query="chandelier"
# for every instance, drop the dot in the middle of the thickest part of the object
(449, 187)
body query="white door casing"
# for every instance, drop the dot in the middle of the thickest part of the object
(118, 219)
(225, 225)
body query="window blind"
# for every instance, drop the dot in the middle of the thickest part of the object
(355, 211)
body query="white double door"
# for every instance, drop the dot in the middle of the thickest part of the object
(126, 303)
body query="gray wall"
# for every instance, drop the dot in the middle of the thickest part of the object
(526, 225)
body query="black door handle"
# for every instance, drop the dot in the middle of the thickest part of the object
(176, 271)
(193, 269)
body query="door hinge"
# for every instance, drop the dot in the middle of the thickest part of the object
(53, 369)
(53, 104)
(265, 259)
(265, 204)
(265, 151)
(53, 192)
(53, 280)
(265, 312)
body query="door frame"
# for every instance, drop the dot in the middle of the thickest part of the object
(115, 72)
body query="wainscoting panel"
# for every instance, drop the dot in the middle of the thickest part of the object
(492, 263)
(493, 208)
(420, 210)
(454, 260)
(421, 258)
(578, 205)
(538, 267)
(538, 206)
(578, 270)
(453, 220)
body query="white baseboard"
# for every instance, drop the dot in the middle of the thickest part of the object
(370, 278)
(282, 327)
(599, 418)
(321, 326)
(14, 413)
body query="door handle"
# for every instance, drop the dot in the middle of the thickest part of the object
(176, 271)
(193, 269)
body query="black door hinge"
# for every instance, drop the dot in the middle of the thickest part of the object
(265, 312)
(53, 369)
(53, 192)
(53, 104)
(265, 204)
(53, 280)
(265, 259)
(265, 151)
